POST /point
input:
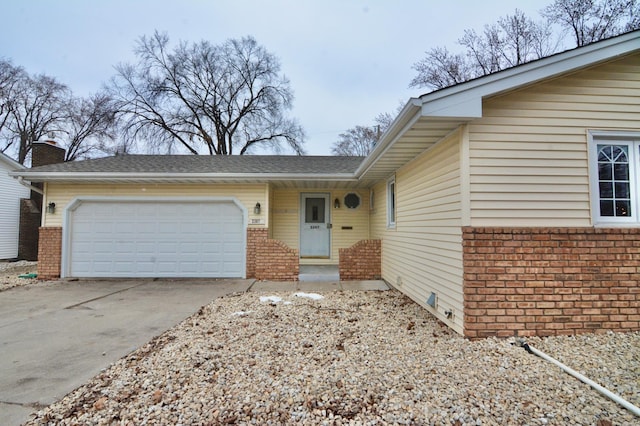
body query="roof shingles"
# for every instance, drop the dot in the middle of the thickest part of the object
(200, 164)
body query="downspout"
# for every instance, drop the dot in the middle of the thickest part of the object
(612, 396)
(28, 185)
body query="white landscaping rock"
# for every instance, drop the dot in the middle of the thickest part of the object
(350, 358)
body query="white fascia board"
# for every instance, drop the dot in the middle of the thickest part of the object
(405, 119)
(177, 177)
(11, 162)
(465, 99)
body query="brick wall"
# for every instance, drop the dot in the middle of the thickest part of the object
(49, 253)
(45, 153)
(255, 236)
(275, 261)
(550, 281)
(30, 218)
(361, 261)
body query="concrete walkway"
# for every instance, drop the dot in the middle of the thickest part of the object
(318, 286)
(55, 337)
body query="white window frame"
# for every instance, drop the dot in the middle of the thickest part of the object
(392, 201)
(632, 141)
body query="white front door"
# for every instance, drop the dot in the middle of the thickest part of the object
(315, 226)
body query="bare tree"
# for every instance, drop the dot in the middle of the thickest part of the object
(38, 107)
(360, 140)
(633, 17)
(90, 125)
(384, 119)
(591, 20)
(513, 40)
(10, 76)
(524, 40)
(215, 99)
(440, 68)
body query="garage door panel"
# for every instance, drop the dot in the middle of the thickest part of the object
(156, 239)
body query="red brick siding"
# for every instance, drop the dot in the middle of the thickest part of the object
(361, 261)
(550, 281)
(255, 236)
(275, 261)
(49, 253)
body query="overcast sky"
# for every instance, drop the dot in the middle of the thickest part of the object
(347, 60)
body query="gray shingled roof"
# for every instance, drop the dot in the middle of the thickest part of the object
(240, 164)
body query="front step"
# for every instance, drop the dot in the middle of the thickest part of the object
(319, 273)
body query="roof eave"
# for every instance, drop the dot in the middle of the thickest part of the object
(463, 102)
(11, 162)
(409, 114)
(465, 99)
(178, 177)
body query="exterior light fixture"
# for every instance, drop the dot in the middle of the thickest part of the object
(256, 209)
(51, 208)
(336, 203)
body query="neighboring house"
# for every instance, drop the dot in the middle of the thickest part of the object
(11, 191)
(505, 205)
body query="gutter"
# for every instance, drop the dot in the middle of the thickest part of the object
(88, 176)
(28, 185)
(612, 396)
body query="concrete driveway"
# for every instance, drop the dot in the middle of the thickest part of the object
(55, 337)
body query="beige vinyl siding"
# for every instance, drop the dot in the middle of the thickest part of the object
(286, 220)
(423, 254)
(357, 219)
(528, 154)
(378, 216)
(248, 195)
(286, 217)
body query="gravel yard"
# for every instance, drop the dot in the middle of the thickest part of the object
(10, 271)
(350, 358)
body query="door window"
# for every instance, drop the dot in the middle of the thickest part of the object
(314, 210)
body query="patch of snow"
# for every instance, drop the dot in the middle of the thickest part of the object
(241, 313)
(288, 303)
(270, 299)
(312, 296)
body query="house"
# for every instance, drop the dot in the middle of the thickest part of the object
(504, 205)
(21, 203)
(11, 191)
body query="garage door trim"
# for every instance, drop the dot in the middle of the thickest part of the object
(76, 202)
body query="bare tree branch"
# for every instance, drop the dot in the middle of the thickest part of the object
(90, 126)
(592, 20)
(215, 99)
(38, 108)
(516, 39)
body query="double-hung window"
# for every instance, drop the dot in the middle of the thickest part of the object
(614, 170)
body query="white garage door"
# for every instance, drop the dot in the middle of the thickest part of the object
(156, 239)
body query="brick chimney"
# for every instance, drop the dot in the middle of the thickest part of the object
(43, 152)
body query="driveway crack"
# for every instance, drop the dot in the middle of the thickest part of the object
(34, 405)
(103, 296)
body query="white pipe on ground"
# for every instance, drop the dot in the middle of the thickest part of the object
(616, 398)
